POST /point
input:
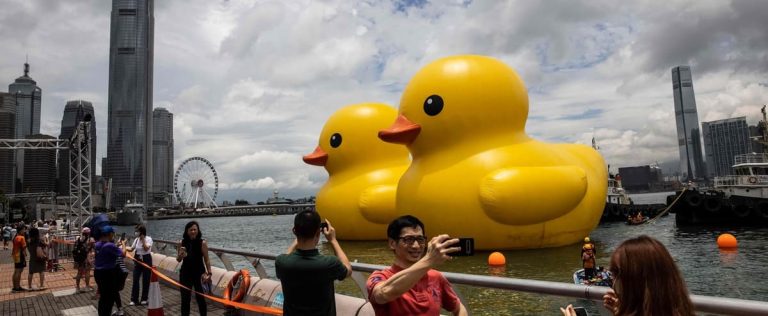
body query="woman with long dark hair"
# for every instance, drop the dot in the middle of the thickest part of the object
(646, 281)
(195, 266)
(37, 258)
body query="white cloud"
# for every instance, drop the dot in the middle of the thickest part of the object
(251, 83)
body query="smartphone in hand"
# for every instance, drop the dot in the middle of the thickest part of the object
(580, 311)
(467, 247)
(323, 226)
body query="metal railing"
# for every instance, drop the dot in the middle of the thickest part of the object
(754, 181)
(702, 303)
(751, 158)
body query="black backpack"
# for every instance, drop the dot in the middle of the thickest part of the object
(80, 253)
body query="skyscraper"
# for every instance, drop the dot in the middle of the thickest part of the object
(7, 131)
(162, 152)
(74, 113)
(129, 126)
(723, 140)
(27, 96)
(39, 168)
(688, 132)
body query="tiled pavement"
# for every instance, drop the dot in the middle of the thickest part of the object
(59, 297)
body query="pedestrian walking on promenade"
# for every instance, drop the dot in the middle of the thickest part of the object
(142, 246)
(6, 235)
(195, 267)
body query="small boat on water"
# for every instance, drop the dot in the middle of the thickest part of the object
(602, 277)
(131, 214)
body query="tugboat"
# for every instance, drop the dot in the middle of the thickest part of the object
(741, 198)
(131, 214)
(619, 207)
(735, 199)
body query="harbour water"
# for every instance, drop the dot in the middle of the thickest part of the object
(707, 270)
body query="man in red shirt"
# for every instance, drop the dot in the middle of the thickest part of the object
(19, 257)
(410, 286)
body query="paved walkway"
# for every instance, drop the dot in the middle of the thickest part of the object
(59, 297)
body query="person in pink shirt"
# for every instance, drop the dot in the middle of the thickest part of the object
(410, 286)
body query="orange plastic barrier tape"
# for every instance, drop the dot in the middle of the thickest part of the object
(253, 308)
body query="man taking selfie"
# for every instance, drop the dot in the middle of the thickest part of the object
(306, 275)
(410, 286)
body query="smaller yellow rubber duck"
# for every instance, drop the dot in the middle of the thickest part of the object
(359, 196)
(475, 173)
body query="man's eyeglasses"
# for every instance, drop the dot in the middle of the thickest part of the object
(408, 240)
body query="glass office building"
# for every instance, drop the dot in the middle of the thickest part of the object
(74, 113)
(724, 140)
(162, 153)
(129, 126)
(28, 98)
(7, 131)
(688, 131)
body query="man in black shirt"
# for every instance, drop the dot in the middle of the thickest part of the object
(306, 275)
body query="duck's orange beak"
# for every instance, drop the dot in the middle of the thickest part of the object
(402, 131)
(318, 157)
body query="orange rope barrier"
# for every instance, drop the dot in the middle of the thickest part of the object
(252, 308)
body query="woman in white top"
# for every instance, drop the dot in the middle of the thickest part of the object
(143, 247)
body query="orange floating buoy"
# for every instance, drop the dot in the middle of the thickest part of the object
(727, 241)
(497, 259)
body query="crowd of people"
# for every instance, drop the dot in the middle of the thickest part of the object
(646, 279)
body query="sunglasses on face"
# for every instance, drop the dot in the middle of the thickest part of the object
(408, 240)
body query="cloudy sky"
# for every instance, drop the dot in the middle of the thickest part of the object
(251, 83)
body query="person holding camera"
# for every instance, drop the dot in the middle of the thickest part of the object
(410, 286)
(143, 247)
(306, 275)
(195, 267)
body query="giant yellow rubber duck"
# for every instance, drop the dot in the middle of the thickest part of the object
(475, 173)
(359, 196)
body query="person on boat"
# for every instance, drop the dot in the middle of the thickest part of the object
(307, 276)
(646, 281)
(410, 286)
(588, 241)
(195, 266)
(588, 262)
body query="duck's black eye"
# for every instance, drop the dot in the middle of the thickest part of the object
(335, 140)
(433, 105)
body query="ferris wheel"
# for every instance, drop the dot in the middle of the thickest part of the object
(193, 181)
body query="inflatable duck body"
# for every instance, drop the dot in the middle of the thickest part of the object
(475, 173)
(359, 196)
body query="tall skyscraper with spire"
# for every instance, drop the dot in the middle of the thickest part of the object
(129, 126)
(688, 131)
(28, 98)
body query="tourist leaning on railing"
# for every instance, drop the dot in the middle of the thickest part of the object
(426, 295)
(195, 267)
(646, 281)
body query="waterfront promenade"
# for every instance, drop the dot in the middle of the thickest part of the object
(59, 297)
